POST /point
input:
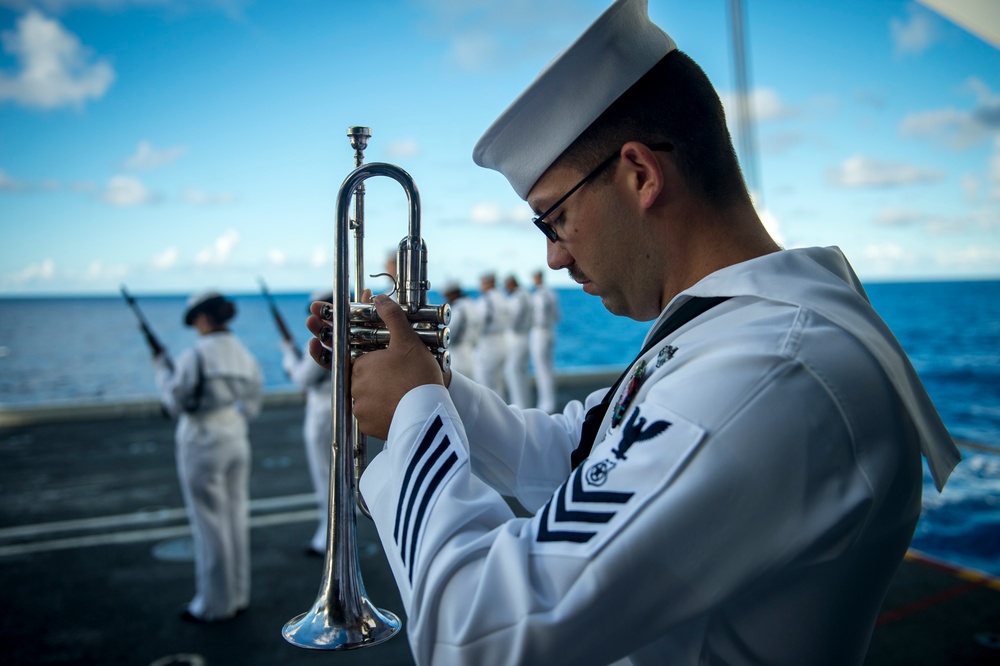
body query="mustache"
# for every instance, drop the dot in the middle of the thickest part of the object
(576, 273)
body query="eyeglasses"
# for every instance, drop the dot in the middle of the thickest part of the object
(548, 229)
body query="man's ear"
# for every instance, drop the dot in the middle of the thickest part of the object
(647, 176)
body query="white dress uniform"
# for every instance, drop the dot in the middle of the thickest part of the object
(490, 345)
(317, 429)
(213, 463)
(750, 493)
(516, 359)
(463, 335)
(544, 317)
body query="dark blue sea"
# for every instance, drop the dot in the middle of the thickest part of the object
(68, 351)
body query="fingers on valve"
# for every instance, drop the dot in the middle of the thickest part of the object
(320, 354)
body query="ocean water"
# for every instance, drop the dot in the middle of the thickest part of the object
(67, 351)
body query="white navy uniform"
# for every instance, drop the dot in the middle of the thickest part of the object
(213, 463)
(516, 359)
(748, 504)
(317, 429)
(541, 340)
(490, 344)
(463, 329)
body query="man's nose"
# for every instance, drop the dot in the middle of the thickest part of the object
(556, 255)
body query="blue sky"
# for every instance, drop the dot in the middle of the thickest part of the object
(174, 145)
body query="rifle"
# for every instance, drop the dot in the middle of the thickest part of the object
(282, 328)
(151, 339)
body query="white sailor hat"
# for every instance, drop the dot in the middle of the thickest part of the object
(571, 92)
(196, 301)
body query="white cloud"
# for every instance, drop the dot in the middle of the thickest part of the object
(970, 188)
(993, 175)
(46, 270)
(485, 213)
(319, 258)
(958, 128)
(474, 50)
(166, 259)
(98, 271)
(147, 157)
(8, 184)
(126, 191)
(896, 217)
(988, 109)
(198, 197)
(486, 33)
(932, 223)
(488, 213)
(860, 171)
(972, 258)
(780, 142)
(768, 219)
(914, 34)
(218, 253)
(887, 258)
(929, 123)
(977, 188)
(84, 187)
(884, 252)
(772, 225)
(404, 148)
(870, 97)
(765, 105)
(277, 257)
(232, 8)
(55, 68)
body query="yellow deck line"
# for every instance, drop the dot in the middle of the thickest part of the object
(964, 573)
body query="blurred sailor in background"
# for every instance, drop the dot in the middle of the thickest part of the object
(462, 327)
(490, 343)
(317, 427)
(516, 336)
(212, 390)
(541, 340)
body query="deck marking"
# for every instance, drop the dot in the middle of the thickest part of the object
(142, 526)
(974, 580)
(926, 602)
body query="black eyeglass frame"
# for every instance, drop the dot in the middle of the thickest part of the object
(548, 229)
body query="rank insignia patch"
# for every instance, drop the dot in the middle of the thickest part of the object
(564, 525)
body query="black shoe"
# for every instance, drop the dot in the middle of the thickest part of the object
(312, 552)
(188, 616)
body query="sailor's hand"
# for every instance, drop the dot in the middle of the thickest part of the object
(381, 378)
(318, 324)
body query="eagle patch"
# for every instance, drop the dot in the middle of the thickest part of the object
(623, 473)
